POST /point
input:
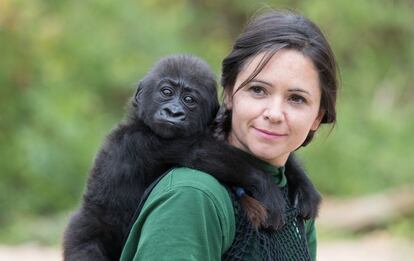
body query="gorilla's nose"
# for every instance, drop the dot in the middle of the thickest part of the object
(174, 113)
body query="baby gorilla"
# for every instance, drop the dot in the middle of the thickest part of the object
(166, 125)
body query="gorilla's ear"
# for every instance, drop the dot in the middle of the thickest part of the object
(138, 93)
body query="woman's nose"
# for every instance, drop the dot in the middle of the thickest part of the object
(274, 111)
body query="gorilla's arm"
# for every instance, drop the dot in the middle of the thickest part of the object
(231, 167)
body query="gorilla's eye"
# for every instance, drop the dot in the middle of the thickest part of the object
(188, 99)
(167, 91)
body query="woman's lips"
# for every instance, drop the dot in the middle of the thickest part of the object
(269, 134)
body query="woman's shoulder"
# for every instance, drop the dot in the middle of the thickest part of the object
(176, 214)
(192, 194)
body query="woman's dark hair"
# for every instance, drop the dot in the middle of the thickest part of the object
(268, 33)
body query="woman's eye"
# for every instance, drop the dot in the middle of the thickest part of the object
(297, 99)
(167, 91)
(257, 90)
(188, 99)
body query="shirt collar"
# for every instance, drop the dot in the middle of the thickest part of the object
(278, 172)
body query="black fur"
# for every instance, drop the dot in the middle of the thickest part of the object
(166, 125)
(301, 189)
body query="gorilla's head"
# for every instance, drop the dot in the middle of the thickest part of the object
(178, 97)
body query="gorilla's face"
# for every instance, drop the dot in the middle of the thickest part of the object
(173, 108)
(177, 99)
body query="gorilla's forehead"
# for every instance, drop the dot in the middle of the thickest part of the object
(187, 81)
(180, 73)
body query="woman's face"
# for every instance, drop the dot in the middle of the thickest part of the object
(273, 113)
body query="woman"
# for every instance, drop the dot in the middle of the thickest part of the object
(279, 86)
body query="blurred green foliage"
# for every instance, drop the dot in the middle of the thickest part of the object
(67, 69)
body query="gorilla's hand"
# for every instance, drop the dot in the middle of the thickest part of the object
(301, 190)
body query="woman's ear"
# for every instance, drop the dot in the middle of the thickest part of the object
(228, 100)
(317, 122)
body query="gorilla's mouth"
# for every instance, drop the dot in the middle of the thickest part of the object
(169, 123)
(160, 118)
(168, 129)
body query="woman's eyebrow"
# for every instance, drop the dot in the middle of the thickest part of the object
(261, 81)
(299, 90)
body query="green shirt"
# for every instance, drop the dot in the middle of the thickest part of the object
(189, 216)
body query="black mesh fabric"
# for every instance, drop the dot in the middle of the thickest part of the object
(286, 244)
